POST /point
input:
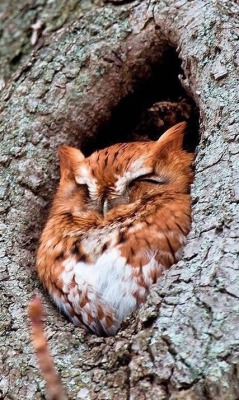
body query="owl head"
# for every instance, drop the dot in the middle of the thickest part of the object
(124, 175)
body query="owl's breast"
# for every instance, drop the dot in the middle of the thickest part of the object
(97, 241)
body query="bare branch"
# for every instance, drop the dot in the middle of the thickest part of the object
(45, 360)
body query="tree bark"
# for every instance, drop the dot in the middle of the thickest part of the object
(183, 343)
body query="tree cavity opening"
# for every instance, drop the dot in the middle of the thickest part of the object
(156, 103)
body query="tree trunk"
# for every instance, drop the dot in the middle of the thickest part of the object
(64, 79)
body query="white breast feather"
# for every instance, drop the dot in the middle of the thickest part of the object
(110, 277)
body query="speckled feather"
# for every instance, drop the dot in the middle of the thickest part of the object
(119, 219)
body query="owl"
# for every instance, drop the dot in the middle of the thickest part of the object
(119, 218)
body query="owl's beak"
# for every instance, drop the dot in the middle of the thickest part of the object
(105, 206)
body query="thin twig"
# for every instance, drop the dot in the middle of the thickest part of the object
(54, 386)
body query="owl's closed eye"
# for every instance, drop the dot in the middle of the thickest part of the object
(119, 218)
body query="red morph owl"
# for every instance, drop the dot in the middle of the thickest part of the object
(120, 217)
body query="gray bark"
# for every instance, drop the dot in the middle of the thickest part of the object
(183, 343)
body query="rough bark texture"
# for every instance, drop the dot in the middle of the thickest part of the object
(184, 342)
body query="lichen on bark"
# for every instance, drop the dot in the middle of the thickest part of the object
(183, 343)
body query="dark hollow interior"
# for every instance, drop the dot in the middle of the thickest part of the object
(131, 120)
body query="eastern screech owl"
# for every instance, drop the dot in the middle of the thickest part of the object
(119, 218)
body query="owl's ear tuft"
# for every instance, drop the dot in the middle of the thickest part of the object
(69, 160)
(172, 139)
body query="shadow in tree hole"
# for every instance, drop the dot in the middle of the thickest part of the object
(131, 119)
